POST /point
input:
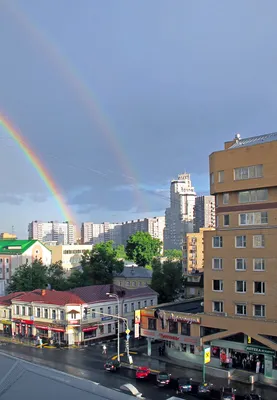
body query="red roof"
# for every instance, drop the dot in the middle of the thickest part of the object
(50, 297)
(7, 300)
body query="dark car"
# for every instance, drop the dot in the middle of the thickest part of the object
(252, 396)
(184, 385)
(205, 388)
(228, 393)
(163, 379)
(112, 365)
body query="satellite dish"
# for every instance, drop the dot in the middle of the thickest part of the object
(237, 136)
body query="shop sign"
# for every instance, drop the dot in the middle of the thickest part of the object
(168, 336)
(74, 322)
(89, 329)
(184, 319)
(24, 321)
(46, 328)
(106, 318)
(260, 350)
(6, 322)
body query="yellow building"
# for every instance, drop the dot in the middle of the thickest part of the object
(70, 255)
(193, 251)
(7, 236)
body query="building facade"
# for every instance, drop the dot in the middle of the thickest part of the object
(133, 277)
(179, 217)
(154, 226)
(69, 255)
(59, 232)
(204, 212)
(7, 236)
(193, 251)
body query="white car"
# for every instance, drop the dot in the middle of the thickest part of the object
(132, 390)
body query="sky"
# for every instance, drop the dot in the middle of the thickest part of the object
(117, 98)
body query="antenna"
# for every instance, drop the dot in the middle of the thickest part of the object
(237, 136)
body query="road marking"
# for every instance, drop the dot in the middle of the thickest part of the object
(95, 383)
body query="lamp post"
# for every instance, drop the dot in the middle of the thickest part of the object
(113, 295)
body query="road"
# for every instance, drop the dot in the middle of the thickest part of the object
(88, 363)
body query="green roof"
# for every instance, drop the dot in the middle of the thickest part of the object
(15, 246)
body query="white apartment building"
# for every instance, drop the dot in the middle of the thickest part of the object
(59, 232)
(179, 216)
(204, 212)
(155, 226)
(99, 233)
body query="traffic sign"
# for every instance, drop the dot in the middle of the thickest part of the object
(127, 331)
(207, 355)
(127, 337)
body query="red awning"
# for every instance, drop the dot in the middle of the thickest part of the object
(57, 330)
(46, 328)
(91, 328)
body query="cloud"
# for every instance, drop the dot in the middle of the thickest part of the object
(11, 199)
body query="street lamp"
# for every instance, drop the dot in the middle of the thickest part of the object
(113, 295)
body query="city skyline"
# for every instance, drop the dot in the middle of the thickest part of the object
(112, 126)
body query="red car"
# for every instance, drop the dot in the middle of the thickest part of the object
(142, 373)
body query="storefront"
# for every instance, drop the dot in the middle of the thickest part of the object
(6, 327)
(42, 330)
(57, 333)
(23, 327)
(89, 332)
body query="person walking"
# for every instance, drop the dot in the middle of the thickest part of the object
(104, 349)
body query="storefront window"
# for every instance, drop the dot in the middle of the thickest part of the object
(191, 349)
(109, 328)
(152, 324)
(183, 347)
(101, 329)
(185, 329)
(274, 362)
(173, 327)
(90, 334)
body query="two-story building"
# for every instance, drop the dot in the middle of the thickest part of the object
(133, 277)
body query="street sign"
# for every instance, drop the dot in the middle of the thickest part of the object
(127, 337)
(207, 355)
(127, 331)
(249, 339)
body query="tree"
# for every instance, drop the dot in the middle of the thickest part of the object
(75, 279)
(56, 276)
(120, 252)
(142, 248)
(167, 280)
(29, 277)
(100, 264)
(173, 254)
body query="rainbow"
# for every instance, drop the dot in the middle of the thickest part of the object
(88, 99)
(38, 166)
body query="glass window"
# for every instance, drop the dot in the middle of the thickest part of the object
(225, 198)
(217, 263)
(259, 310)
(132, 307)
(101, 329)
(226, 220)
(220, 176)
(258, 241)
(116, 309)
(185, 329)
(139, 305)
(240, 309)
(240, 264)
(93, 313)
(217, 221)
(23, 311)
(218, 285)
(38, 312)
(109, 328)
(109, 310)
(62, 315)
(145, 303)
(46, 313)
(73, 315)
(53, 314)
(218, 306)
(254, 171)
(151, 302)
(241, 286)
(17, 310)
(217, 241)
(253, 196)
(259, 287)
(30, 313)
(101, 310)
(152, 324)
(125, 308)
(254, 218)
(259, 264)
(173, 326)
(241, 241)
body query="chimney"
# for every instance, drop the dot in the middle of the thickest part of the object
(43, 292)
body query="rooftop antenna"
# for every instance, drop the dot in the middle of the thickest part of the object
(237, 137)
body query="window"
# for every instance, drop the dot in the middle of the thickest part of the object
(217, 241)
(220, 176)
(132, 307)
(217, 263)
(240, 241)
(254, 171)
(125, 308)
(253, 196)
(226, 220)
(101, 329)
(259, 264)
(173, 326)
(7, 270)
(17, 310)
(225, 199)
(218, 285)
(259, 287)
(53, 314)
(258, 241)
(152, 324)
(128, 283)
(151, 302)
(217, 221)
(109, 310)
(240, 264)
(139, 305)
(101, 310)
(145, 303)
(46, 313)
(30, 313)
(23, 311)
(185, 329)
(241, 286)
(241, 309)
(218, 306)
(254, 218)
(116, 309)
(7, 261)
(212, 178)
(93, 313)
(73, 315)
(38, 312)
(259, 310)
(62, 315)
(109, 328)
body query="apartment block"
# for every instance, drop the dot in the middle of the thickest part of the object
(154, 226)
(59, 232)
(204, 212)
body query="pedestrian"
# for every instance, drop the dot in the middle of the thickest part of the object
(160, 351)
(258, 364)
(104, 349)
(244, 363)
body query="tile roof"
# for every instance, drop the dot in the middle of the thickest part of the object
(15, 246)
(135, 272)
(7, 300)
(270, 137)
(97, 293)
(50, 297)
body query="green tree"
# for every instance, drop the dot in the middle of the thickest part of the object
(173, 254)
(167, 280)
(100, 264)
(120, 252)
(75, 279)
(29, 277)
(56, 276)
(142, 248)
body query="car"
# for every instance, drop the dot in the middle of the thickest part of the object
(143, 373)
(204, 388)
(252, 396)
(163, 379)
(112, 365)
(184, 385)
(228, 393)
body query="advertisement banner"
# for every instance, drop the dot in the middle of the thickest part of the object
(137, 324)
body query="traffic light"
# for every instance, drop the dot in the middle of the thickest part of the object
(249, 339)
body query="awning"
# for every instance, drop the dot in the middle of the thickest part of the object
(57, 330)
(46, 328)
(90, 328)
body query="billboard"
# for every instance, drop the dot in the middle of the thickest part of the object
(137, 323)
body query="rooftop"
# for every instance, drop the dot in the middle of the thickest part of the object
(13, 247)
(192, 306)
(7, 300)
(49, 297)
(252, 141)
(134, 272)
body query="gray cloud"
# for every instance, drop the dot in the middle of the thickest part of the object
(11, 199)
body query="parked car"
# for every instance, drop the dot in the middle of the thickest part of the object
(163, 379)
(143, 373)
(112, 365)
(204, 388)
(252, 396)
(228, 393)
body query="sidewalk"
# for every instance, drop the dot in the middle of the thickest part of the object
(23, 342)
